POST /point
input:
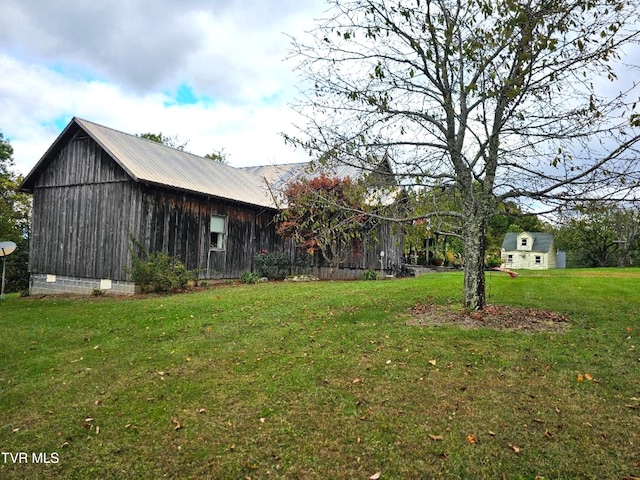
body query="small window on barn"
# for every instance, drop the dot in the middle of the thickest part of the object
(538, 259)
(509, 258)
(218, 232)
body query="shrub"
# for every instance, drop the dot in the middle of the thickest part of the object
(369, 275)
(493, 261)
(249, 278)
(273, 265)
(160, 272)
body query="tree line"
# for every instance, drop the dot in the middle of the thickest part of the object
(15, 214)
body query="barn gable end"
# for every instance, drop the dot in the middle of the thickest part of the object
(83, 204)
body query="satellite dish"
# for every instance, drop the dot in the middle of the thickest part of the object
(6, 248)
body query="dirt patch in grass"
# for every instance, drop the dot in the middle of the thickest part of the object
(497, 317)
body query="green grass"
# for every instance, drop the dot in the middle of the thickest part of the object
(324, 380)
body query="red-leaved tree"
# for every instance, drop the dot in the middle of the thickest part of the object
(325, 215)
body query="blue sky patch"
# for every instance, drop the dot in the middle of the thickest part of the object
(61, 122)
(184, 95)
(74, 72)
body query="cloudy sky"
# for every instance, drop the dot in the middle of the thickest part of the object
(211, 72)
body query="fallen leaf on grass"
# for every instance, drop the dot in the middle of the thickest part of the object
(202, 410)
(471, 439)
(584, 377)
(436, 438)
(514, 448)
(433, 362)
(375, 476)
(177, 424)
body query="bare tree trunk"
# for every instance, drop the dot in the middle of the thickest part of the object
(475, 235)
(475, 245)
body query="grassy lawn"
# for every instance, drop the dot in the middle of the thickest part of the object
(324, 380)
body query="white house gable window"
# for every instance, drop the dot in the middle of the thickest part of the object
(523, 242)
(509, 258)
(218, 233)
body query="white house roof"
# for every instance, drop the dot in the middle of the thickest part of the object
(541, 241)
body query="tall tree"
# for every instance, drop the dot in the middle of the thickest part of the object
(627, 227)
(15, 211)
(500, 99)
(597, 235)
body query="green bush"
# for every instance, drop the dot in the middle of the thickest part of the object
(369, 275)
(160, 272)
(249, 277)
(273, 265)
(493, 261)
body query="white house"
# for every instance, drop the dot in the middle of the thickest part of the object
(528, 250)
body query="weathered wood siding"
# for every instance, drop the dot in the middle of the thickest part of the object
(170, 222)
(82, 207)
(385, 237)
(179, 224)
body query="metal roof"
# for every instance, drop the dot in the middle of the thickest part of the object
(541, 241)
(151, 162)
(277, 176)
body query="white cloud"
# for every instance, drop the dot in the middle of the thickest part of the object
(118, 63)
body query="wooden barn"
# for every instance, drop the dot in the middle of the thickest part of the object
(96, 189)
